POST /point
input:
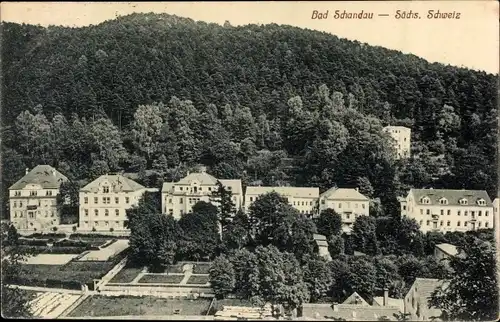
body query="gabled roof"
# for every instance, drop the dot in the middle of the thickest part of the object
(396, 127)
(202, 177)
(319, 237)
(453, 196)
(297, 192)
(356, 299)
(234, 184)
(343, 194)
(44, 175)
(118, 183)
(449, 249)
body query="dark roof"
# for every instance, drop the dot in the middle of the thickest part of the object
(453, 196)
(44, 175)
(118, 183)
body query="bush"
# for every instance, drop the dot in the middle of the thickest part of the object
(33, 242)
(33, 250)
(71, 243)
(73, 285)
(49, 235)
(111, 229)
(96, 236)
(54, 229)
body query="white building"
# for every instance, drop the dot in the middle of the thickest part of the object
(32, 199)
(305, 200)
(402, 140)
(348, 203)
(104, 201)
(416, 301)
(448, 210)
(178, 198)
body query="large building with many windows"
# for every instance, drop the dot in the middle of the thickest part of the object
(304, 199)
(402, 140)
(32, 199)
(104, 201)
(178, 198)
(347, 202)
(448, 210)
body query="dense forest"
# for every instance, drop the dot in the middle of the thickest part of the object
(158, 94)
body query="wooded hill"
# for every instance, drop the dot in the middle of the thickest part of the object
(274, 103)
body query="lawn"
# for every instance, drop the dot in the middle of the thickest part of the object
(196, 279)
(176, 268)
(201, 268)
(126, 275)
(168, 279)
(131, 305)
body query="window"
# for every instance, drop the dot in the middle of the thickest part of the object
(117, 200)
(340, 205)
(463, 201)
(428, 222)
(421, 211)
(421, 223)
(481, 202)
(170, 200)
(465, 224)
(458, 213)
(117, 212)
(127, 199)
(251, 199)
(294, 203)
(428, 211)
(458, 224)
(209, 188)
(448, 223)
(448, 212)
(105, 189)
(86, 200)
(348, 216)
(486, 213)
(106, 212)
(479, 224)
(425, 200)
(310, 203)
(20, 204)
(33, 193)
(486, 224)
(404, 207)
(96, 212)
(465, 213)
(443, 201)
(442, 212)
(15, 204)
(363, 206)
(323, 201)
(17, 193)
(441, 223)
(181, 200)
(96, 223)
(86, 212)
(180, 188)
(96, 200)
(479, 213)
(472, 213)
(49, 193)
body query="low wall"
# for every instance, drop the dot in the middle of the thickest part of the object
(160, 288)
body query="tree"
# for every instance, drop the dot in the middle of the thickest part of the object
(237, 234)
(329, 223)
(68, 202)
(317, 278)
(336, 245)
(364, 236)
(222, 277)
(15, 301)
(472, 293)
(223, 197)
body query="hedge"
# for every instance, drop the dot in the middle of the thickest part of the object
(33, 242)
(71, 243)
(90, 236)
(65, 250)
(52, 235)
(55, 283)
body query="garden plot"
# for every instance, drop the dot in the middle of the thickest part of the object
(50, 259)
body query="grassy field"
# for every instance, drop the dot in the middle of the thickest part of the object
(169, 279)
(201, 268)
(198, 280)
(126, 275)
(129, 305)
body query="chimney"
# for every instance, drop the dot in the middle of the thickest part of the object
(53, 172)
(386, 296)
(27, 170)
(357, 189)
(188, 173)
(335, 307)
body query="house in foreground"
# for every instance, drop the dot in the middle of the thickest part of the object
(416, 301)
(355, 308)
(33, 199)
(104, 201)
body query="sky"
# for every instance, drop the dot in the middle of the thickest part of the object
(471, 41)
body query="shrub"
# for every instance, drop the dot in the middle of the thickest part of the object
(74, 228)
(111, 229)
(54, 229)
(93, 229)
(33, 242)
(51, 235)
(71, 243)
(65, 250)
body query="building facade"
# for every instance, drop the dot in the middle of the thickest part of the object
(305, 200)
(32, 199)
(448, 210)
(402, 140)
(178, 198)
(348, 203)
(416, 302)
(104, 201)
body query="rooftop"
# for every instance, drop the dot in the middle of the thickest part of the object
(452, 196)
(343, 194)
(449, 249)
(298, 192)
(118, 183)
(204, 179)
(44, 175)
(425, 286)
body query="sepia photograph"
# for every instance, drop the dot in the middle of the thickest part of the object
(305, 160)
